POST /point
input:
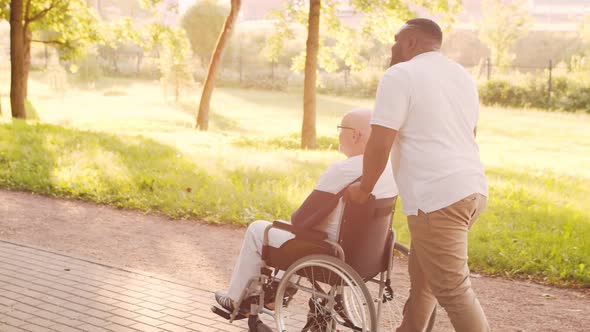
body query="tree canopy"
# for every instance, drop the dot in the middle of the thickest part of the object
(503, 24)
(68, 25)
(341, 43)
(203, 23)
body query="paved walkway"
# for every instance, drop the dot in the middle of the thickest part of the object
(46, 291)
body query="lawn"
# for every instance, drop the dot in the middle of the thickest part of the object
(124, 145)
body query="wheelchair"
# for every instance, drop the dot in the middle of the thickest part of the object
(313, 284)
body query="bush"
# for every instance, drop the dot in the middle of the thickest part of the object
(290, 142)
(265, 83)
(88, 71)
(568, 93)
(31, 111)
(359, 84)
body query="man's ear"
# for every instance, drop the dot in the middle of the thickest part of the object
(356, 136)
(412, 42)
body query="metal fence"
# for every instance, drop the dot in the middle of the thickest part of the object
(263, 74)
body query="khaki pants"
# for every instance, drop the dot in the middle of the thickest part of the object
(438, 268)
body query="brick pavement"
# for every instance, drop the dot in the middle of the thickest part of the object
(46, 291)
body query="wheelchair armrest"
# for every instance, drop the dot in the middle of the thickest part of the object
(305, 234)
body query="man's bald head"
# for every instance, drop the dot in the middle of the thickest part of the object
(361, 120)
(355, 132)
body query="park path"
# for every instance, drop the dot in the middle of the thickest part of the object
(74, 266)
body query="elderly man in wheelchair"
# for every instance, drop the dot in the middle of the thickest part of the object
(313, 274)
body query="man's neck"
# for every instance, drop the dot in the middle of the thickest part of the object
(354, 154)
(426, 50)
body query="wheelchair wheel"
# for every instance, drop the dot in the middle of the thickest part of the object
(389, 306)
(317, 306)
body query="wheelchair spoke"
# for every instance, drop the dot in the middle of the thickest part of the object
(317, 305)
(389, 308)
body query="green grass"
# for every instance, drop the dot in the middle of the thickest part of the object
(138, 151)
(536, 224)
(138, 173)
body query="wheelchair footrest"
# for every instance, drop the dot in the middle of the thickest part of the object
(225, 313)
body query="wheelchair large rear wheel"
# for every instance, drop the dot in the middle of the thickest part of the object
(389, 303)
(317, 306)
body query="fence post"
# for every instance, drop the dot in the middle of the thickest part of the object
(489, 68)
(346, 71)
(240, 61)
(550, 84)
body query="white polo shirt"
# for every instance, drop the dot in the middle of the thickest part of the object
(433, 104)
(338, 176)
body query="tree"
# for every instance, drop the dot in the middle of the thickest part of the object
(174, 61)
(17, 66)
(203, 115)
(338, 43)
(69, 25)
(171, 45)
(209, 85)
(308, 132)
(503, 24)
(203, 23)
(585, 30)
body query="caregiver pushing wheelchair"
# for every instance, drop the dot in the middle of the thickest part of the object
(312, 274)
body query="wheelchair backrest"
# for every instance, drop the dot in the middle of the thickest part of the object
(366, 235)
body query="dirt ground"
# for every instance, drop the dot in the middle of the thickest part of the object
(204, 254)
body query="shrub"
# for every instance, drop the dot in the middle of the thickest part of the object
(359, 84)
(568, 93)
(265, 83)
(87, 71)
(31, 111)
(290, 142)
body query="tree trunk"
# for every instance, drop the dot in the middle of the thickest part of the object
(308, 132)
(203, 115)
(138, 64)
(46, 55)
(17, 66)
(176, 84)
(28, 36)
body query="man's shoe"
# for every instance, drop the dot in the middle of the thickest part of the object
(225, 301)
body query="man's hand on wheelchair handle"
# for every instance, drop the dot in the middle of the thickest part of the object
(356, 194)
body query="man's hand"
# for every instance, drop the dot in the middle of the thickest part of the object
(356, 194)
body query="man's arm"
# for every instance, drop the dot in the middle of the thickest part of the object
(316, 207)
(374, 162)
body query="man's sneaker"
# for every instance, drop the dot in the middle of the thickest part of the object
(224, 301)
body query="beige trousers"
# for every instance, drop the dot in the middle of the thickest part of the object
(438, 268)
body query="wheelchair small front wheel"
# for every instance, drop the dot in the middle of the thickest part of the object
(400, 248)
(321, 282)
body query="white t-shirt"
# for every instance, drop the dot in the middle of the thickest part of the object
(433, 104)
(340, 175)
